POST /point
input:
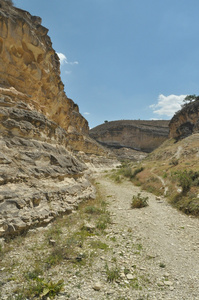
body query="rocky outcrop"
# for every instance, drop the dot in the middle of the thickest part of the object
(39, 177)
(138, 135)
(185, 122)
(29, 64)
(45, 150)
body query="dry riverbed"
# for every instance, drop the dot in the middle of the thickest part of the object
(124, 253)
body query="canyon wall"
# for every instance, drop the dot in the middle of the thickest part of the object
(138, 135)
(29, 64)
(185, 122)
(45, 149)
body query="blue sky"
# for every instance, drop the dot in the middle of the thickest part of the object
(124, 59)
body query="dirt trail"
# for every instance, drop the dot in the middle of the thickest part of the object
(150, 253)
(170, 238)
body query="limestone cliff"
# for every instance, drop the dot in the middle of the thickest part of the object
(139, 135)
(185, 122)
(29, 64)
(43, 173)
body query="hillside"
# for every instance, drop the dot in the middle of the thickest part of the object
(138, 135)
(171, 170)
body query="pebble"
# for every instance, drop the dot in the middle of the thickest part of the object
(110, 292)
(169, 283)
(130, 276)
(97, 286)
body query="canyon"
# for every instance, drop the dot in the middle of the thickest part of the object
(47, 152)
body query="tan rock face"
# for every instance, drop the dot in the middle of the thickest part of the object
(29, 64)
(39, 178)
(42, 172)
(139, 135)
(185, 122)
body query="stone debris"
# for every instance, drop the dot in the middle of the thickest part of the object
(97, 286)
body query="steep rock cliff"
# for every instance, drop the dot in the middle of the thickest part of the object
(29, 64)
(185, 122)
(45, 149)
(139, 135)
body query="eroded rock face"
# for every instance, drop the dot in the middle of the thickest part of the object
(185, 122)
(45, 151)
(138, 135)
(39, 177)
(29, 64)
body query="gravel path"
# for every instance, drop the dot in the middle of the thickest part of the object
(170, 238)
(154, 249)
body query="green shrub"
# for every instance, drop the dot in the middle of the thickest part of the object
(42, 289)
(112, 273)
(118, 179)
(184, 181)
(103, 221)
(138, 170)
(138, 201)
(129, 173)
(93, 210)
(174, 162)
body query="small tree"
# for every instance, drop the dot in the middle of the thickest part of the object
(189, 99)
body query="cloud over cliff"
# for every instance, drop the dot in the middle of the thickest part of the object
(167, 105)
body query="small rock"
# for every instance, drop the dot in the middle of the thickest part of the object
(52, 242)
(129, 276)
(110, 292)
(168, 283)
(89, 227)
(97, 286)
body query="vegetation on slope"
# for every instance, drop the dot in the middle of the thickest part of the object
(171, 170)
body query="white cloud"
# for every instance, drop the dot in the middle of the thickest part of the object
(86, 113)
(67, 72)
(64, 60)
(167, 105)
(73, 63)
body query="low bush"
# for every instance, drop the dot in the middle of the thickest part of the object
(186, 179)
(93, 210)
(138, 201)
(112, 273)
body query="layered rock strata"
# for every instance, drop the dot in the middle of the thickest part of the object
(39, 177)
(45, 149)
(185, 122)
(138, 135)
(29, 64)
